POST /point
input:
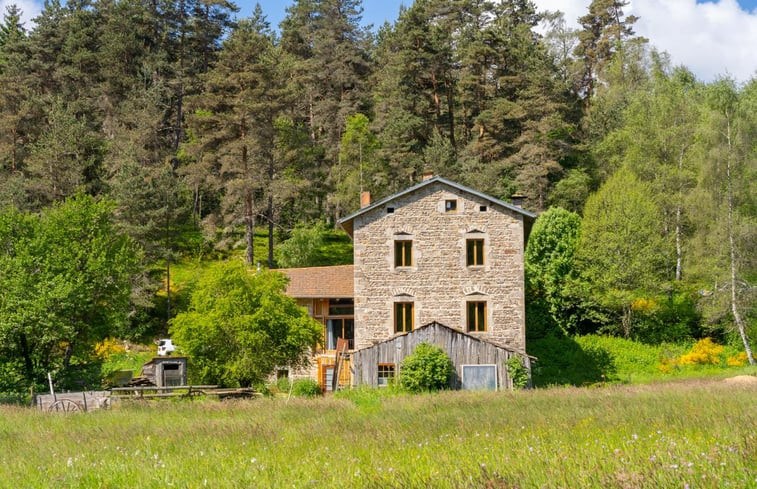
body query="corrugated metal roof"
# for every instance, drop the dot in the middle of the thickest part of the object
(453, 330)
(336, 282)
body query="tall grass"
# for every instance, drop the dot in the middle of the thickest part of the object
(694, 434)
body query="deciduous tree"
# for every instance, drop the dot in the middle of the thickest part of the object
(240, 327)
(66, 277)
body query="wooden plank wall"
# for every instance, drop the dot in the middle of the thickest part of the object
(462, 349)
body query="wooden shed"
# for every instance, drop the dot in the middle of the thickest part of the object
(166, 371)
(478, 363)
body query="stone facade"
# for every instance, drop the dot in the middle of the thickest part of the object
(439, 218)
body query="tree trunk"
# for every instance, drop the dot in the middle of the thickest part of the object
(311, 117)
(732, 251)
(626, 321)
(679, 254)
(679, 211)
(451, 110)
(249, 222)
(67, 357)
(269, 216)
(26, 353)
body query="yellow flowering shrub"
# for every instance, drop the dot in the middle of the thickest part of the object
(737, 360)
(704, 352)
(645, 305)
(107, 347)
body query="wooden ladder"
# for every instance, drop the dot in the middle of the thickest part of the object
(342, 346)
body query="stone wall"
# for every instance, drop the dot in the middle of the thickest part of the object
(438, 282)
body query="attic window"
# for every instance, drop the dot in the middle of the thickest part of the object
(482, 208)
(450, 205)
(390, 210)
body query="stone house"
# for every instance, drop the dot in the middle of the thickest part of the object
(436, 253)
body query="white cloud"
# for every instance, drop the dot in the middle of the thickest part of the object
(29, 10)
(711, 39)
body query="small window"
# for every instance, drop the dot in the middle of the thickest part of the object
(474, 252)
(403, 317)
(476, 317)
(450, 206)
(385, 374)
(390, 210)
(483, 208)
(403, 253)
(479, 377)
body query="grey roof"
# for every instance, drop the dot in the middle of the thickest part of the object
(430, 181)
(453, 330)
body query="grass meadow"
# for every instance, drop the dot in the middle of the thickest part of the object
(692, 434)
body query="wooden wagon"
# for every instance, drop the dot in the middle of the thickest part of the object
(70, 402)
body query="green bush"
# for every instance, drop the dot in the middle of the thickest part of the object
(283, 384)
(517, 371)
(306, 388)
(315, 245)
(563, 361)
(428, 368)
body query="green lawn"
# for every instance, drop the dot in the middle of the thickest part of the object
(697, 434)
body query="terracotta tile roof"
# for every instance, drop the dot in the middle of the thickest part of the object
(335, 282)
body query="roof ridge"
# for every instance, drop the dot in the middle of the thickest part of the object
(462, 188)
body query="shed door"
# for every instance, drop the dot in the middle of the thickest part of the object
(172, 374)
(480, 377)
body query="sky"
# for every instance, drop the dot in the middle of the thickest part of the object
(712, 38)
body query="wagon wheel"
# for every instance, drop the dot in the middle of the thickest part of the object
(64, 406)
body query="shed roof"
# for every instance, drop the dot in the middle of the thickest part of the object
(336, 282)
(436, 324)
(346, 222)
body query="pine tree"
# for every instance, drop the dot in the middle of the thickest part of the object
(234, 119)
(15, 107)
(605, 31)
(357, 169)
(331, 67)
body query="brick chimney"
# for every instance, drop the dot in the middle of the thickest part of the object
(517, 199)
(365, 199)
(427, 175)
